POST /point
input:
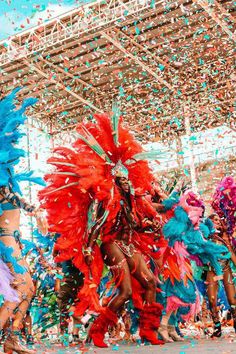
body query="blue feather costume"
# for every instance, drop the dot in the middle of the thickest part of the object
(44, 308)
(11, 120)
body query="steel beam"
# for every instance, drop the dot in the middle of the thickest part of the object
(140, 46)
(65, 73)
(216, 13)
(88, 18)
(136, 60)
(59, 84)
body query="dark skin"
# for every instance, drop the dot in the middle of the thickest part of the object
(160, 195)
(124, 266)
(212, 287)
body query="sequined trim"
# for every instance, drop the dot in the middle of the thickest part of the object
(16, 234)
(118, 265)
(129, 250)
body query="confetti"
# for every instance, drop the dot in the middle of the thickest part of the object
(169, 65)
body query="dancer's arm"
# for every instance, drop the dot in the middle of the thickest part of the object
(158, 198)
(88, 250)
(17, 201)
(93, 233)
(230, 248)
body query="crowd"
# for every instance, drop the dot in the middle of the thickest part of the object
(114, 256)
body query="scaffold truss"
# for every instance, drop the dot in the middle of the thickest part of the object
(90, 18)
(153, 57)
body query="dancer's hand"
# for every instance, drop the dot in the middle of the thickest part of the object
(159, 281)
(87, 252)
(88, 259)
(157, 224)
(183, 183)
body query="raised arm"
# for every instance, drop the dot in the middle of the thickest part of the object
(98, 217)
(15, 199)
(230, 247)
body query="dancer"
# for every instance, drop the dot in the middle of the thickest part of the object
(10, 204)
(124, 259)
(96, 197)
(68, 288)
(185, 234)
(43, 311)
(224, 220)
(7, 292)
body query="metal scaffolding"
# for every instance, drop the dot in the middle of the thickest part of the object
(149, 55)
(86, 19)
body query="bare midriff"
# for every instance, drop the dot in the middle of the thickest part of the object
(10, 220)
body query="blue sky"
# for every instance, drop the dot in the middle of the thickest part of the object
(18, 15)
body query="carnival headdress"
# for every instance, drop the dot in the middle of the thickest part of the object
(103, 151)
(11, 120)
(194, 207)
(120, 170)
(224, 202)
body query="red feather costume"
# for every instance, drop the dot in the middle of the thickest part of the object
(84, 177)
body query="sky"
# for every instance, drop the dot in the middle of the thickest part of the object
(18, 15)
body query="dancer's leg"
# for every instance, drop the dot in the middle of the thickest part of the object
(25, 288)
(23, 284)
(229, 286)
(116, 260)
(26, 292)
(145, 277)
(212, 291)
(150, 315)
(172, 326)
(230, 292)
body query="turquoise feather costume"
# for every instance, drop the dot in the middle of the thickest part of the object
(11, 120)
(185, 233)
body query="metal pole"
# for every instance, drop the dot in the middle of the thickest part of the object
(179, 148)
(187, 125)
(29, 168)
(52, 142)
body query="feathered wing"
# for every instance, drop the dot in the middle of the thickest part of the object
(67, 202)
(84, 174)
(224, 202)
(11, 120)
(180, 229)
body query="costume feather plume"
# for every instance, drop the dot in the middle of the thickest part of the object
(11, 121)
(180, 228)
(224, 202)
(83, 175)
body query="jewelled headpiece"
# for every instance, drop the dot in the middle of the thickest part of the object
(120, 170)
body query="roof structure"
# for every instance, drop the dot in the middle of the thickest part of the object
(162, 60)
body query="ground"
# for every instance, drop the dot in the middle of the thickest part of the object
(202, 346)
(194, 343)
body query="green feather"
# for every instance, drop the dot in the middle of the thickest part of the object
(115, 122)
(146, 155)
(89, 140)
